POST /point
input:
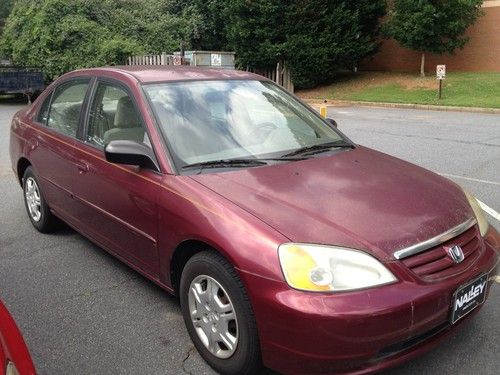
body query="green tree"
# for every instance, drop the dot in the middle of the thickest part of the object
(211, 22)
(58, 35)
(436, 26)
(5, 7)
(326, 37)
(316, 38)
(256, 32)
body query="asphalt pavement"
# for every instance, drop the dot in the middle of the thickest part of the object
(83, 312)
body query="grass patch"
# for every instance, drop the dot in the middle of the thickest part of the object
(459, 89)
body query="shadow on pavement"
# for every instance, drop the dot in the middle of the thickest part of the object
(13, 99)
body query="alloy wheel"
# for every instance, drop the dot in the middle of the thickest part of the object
(213, 316)
(33, 199)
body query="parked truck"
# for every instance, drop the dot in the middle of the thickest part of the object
(21, 81)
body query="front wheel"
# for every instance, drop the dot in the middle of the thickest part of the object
(218, 315)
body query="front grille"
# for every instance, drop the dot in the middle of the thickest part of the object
(410, 343)
(435, 263)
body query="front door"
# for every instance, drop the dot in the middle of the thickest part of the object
(117, 203)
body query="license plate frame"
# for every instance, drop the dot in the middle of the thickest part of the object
(462, 305)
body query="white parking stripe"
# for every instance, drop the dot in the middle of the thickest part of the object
(484, 206)
(489, 210)
(470, 179)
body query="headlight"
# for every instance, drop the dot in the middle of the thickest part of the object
(328, 268)
(479, 213)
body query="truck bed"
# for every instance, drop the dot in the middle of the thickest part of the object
(21, 81)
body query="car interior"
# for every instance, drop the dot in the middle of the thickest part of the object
(114, 118)
(126, 123)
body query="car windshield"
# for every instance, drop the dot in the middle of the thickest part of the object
(206, 121)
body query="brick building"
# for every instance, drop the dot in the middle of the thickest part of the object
(481, 54)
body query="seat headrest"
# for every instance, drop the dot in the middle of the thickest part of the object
(126, 115)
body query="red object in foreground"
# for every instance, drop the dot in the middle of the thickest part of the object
(13, 350)
(288, 244)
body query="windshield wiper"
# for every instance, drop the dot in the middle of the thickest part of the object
(318, 148)
(226, 163)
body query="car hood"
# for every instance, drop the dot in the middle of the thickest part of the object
(360, 199)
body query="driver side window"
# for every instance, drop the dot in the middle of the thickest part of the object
(113, 117)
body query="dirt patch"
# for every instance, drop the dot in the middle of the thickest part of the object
(351, 83)
(409, 83)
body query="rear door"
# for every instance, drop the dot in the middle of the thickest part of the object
(117, 203)
(52, 148)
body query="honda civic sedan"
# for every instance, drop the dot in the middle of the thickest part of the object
(289, 245)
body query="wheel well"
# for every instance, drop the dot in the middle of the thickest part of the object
(182, 254)
(22, 164)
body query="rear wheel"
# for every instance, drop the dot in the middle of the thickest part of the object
(218, 315)
(38, 211)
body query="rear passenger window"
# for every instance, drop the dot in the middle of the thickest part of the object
(64, 111)
(113, 117)
(44, 110)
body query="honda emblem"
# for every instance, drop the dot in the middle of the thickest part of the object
(456, 254)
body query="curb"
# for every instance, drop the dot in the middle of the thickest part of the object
(345, 103)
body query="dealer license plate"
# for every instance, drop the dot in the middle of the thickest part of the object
(468, 297)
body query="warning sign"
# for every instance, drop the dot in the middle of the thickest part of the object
(216, 59)
(441, 71)
(177, 60)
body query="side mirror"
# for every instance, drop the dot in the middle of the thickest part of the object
(332, 122)
(131, 153)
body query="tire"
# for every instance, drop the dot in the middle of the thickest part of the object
(36, 207)
(208, 269)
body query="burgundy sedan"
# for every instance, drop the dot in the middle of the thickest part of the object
(14, 355)
(288, 245)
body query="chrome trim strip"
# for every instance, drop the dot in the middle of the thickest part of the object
(434, 241)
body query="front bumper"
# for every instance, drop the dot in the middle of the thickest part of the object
(358, 332)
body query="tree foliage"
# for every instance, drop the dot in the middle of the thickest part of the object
(316, 38)
(5, 7)
(60, 35)
(254, 32)
(436, 26)
(212, 22)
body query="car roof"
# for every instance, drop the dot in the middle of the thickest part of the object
(150, 74)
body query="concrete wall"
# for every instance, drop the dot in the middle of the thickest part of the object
(481, 54)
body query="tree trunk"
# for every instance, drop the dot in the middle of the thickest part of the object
(422, 65)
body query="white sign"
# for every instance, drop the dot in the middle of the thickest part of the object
(441, 71)
(177, 60)
(216, 59)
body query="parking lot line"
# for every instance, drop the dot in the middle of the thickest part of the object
(489, 210)
(483, 205)
(470, 179)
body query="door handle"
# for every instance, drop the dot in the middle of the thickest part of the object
(83, 167)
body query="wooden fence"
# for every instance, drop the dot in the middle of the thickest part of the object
(162, 59)
(281, 74)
